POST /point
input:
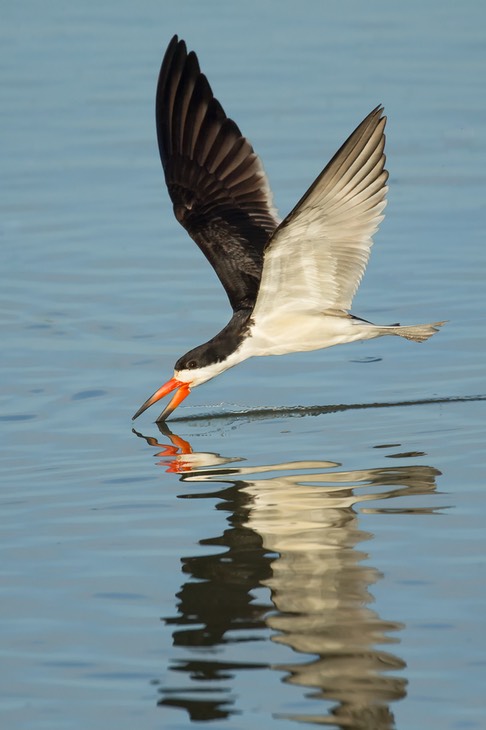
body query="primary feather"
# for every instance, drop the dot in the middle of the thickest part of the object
(215, 180)
(317, 256)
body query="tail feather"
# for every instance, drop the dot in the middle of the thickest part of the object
(415, 332)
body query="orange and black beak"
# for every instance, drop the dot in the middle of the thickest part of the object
(182, 392)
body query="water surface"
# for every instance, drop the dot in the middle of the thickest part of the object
(305, 544)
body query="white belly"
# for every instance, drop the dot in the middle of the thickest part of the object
(281, 333)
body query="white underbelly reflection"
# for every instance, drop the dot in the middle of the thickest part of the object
(294, 528)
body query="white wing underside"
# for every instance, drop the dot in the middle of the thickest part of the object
(317, 256)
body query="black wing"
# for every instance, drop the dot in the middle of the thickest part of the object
(215, 180)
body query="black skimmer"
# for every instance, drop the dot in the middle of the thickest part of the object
(291, 283)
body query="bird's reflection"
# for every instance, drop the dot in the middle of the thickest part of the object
(292, 529)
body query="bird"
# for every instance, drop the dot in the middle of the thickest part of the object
(290, 283)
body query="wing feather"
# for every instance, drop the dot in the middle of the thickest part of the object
(216, 181)
(317, 256)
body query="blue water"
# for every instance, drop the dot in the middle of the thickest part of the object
(306, 544)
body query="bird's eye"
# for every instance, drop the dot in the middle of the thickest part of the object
(191, 364)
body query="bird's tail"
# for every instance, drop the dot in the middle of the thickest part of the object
(415, 332)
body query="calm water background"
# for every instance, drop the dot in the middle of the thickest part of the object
(314, 564)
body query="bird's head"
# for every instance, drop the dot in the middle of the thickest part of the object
(203, 363)
(192, 369)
